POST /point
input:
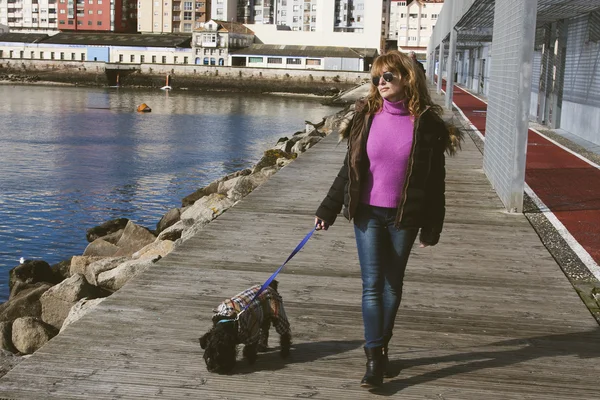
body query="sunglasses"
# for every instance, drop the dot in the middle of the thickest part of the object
(387, 76)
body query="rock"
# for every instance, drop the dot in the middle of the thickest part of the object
(62, 270)
(24, 304)
(227, 185)
(8, 361)
(134, 238)
(100, 248)
(246, 185)
(270, 158)
(156, 249)
(198, 194)
(79, 264)
(305, 143)
(169, 219)
(6, 337)
(117, 277)
(58, 300)
(113, 237)
(80, 308)
(29, 334)
(212, 187)
(174, 232)
(97, 267)
(207, 208)
(106, 228)
(31, 271)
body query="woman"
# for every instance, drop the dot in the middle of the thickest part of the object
(391, 185)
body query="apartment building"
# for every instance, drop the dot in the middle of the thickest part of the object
(299, 15)
(411, 23)
(224, 10)
(29, 15)
(172, 16)
(97, 15)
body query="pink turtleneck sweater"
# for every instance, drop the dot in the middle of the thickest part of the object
(388, 149)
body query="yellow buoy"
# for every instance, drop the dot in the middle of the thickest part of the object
(144, 108)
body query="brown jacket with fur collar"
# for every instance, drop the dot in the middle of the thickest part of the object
(423, 200)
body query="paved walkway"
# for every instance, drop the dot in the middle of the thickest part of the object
(487, 313)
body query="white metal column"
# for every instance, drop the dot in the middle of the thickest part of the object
(440, 68)
(507, 120)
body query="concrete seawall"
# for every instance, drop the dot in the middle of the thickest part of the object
(192, 77)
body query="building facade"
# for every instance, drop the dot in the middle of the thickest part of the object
(172, 16)
(224, 10)
(411, 23)
(212, 41)
(29, 15)
(97, 15)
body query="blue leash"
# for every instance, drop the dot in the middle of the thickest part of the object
(268, 282)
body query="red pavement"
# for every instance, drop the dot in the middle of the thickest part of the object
(567, 185)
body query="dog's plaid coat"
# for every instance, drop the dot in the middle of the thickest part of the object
(268, 304)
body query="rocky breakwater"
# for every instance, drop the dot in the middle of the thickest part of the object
(44, 300)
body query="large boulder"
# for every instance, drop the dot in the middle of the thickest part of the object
(79, 264)
(97, 267)
(212, 187)
(174, 232)
(113, 237)
(80, 308)
(29, 334)
(100, 248)
(169, 219)
(106, 228)
(31, 271)
(115, 278)
(270, 157)
(62, 270)
(58, 300)
(155, 250)
(134, 238)
(25, 303)
(207, 208)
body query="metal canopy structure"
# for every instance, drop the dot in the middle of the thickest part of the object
(477, 23)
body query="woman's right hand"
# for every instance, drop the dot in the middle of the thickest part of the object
(320, 224)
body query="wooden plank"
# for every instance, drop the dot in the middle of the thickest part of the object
(486, 314)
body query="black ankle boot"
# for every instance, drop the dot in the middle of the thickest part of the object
(374, 375)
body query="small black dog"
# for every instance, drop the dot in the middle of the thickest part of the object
(231, 327)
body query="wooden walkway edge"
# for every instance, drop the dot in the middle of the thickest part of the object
(487, 313)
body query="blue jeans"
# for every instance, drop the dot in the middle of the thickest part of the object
(383, 252)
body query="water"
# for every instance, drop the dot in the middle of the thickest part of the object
(73, 158)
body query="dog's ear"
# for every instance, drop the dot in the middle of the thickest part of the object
(274, 284)
(204, 339)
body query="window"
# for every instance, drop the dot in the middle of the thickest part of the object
(255, 60)
(52, 55)
(82, 56)
(90, 11)
(99, 11)
(187, 16)
(99, 23)
(434, 16)
(213, 61)
(142, 59)
(132, 58)
(41, 55)
(187, 27)
(313, 61)
(62, 12)
(21, 54)
(79, 22)
(120, 57)
(32, 54)
(175, 60)
(274, 60)
(10, 54)
(185, 60)
(61, 22)
(164, 59)
(205, 61)
(294, 61)
(73, 56)
(89, 22)
(153, 59)
(296, 8)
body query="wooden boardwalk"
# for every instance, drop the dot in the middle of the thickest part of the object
(487, 313)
